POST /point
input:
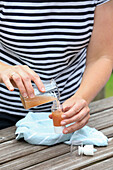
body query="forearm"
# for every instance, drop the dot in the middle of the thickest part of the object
(95, 77)
(99, 60)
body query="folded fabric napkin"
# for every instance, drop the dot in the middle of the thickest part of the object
(38, 129)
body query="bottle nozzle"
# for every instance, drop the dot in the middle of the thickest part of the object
(86, 150)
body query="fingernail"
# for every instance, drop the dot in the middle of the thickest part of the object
(43, 89)
(11, 88)
(63, 116)
(32, 95)
(63, 123)
(65, 131)
(25, 95)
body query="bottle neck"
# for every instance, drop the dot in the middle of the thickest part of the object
(56, 105)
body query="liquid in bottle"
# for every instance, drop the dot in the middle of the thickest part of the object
(56, 115)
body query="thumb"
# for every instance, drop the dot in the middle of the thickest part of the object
(50, 116)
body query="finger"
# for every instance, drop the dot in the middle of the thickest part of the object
(19, 83)
(38, 83)
(50, 116)
(75, 109)
(67, 105)
(76, 118)
(76, 126)
(28, 85)
(27, 75)
(23, 81)
(67, 108)
(35, 77)
(7, 82)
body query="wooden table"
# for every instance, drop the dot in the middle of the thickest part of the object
(15, 155)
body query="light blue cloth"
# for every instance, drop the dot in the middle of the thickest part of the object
(38, 129)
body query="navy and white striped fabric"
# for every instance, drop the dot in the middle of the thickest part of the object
(50, 37)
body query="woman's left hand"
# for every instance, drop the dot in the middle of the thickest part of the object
(76, 111)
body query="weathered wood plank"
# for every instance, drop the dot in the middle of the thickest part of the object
(103, 165)
(102, 119)
(7, 134)
(52, 153)
(101, 105)
(108, 132)
(15, 149)
(70, 162)
(37, 157)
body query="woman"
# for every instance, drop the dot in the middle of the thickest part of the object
(69, 41)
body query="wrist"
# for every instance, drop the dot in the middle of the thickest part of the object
(81, 95)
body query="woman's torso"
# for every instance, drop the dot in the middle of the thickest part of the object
(51, 38)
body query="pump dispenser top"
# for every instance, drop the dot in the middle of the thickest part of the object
(86, 150)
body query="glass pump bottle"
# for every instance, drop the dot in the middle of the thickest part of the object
(57, 111)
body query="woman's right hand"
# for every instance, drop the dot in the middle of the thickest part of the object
(20, 76)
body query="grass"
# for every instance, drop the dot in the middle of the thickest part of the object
(109, 87)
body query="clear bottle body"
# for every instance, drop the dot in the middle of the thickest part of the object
(57, 112)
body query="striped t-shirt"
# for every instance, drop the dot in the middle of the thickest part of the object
(51, 37)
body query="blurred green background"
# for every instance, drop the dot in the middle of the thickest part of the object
(109, 87)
